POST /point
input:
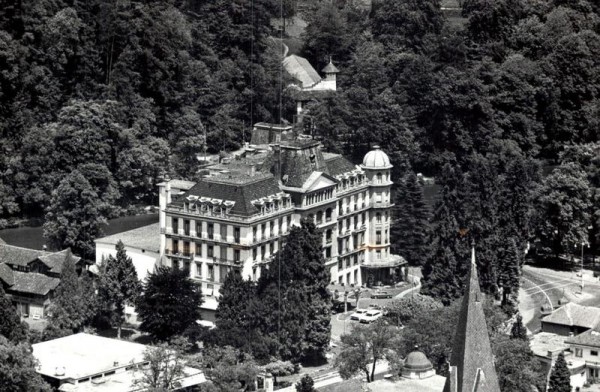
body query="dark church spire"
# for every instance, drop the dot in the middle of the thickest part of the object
(472, 363)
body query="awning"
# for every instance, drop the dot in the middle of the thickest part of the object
(390, 262)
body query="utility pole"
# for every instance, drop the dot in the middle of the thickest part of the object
(582, 245)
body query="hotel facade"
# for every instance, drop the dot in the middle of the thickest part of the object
(238, 215)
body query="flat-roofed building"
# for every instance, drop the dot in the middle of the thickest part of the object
(83, 362)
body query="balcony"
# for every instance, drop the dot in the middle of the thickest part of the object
(179, 254)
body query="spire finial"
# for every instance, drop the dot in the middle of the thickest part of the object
(473, 255)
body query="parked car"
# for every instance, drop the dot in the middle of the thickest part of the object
(370, 316)
(358, 313)
(381, 294)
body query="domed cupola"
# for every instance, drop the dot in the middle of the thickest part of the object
(416, 366)
(376, 159)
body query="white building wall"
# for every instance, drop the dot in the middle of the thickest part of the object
(143, 261)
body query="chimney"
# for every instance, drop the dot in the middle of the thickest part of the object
(276, 161)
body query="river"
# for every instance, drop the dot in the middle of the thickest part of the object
(33, 238)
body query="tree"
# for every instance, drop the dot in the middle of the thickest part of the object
(119, 285)
(18, 368)
(403, 25)
(169, 304)
(69, 297)
(280, 369)
(518, 330)
(509, 273)
(402, 311)
(234, 301)
(564, 209)
(11, 326)
(410, 227)
(306, 384)
(433, 332)
(363, 347)
(166, 365)
(73, 218)
(560, 378)
(293, 302)
(517, 367)
(228, 369)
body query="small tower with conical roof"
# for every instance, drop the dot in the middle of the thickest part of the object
(330, 71)
(471, 363)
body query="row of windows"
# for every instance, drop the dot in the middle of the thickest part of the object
(258, 232)
(352, 203)
(318, 197)
(351, 182)
(347, 262)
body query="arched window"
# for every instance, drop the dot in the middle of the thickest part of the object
(378, 179)
(328, 214)
(319, 216)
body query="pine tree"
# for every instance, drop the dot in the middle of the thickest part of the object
(560, 378)
(69, 307)
(119, 286)
(447, 264)
(518, 330)
(509, 273)
(293, 296)
(410, 228)
(169, 304)
(234, 301)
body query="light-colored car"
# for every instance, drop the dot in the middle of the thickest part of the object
(381, 294)
(370, 316)
(358, 313)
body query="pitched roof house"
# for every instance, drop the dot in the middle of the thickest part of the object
(30, 276)
(471, 364)
(571, 319)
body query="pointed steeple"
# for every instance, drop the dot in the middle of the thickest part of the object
(471, 363)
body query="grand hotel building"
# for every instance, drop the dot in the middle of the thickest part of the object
(240, 212)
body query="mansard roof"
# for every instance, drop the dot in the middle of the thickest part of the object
(471, 363)
(237, 188)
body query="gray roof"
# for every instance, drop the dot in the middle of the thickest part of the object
(337, 164)
(145, 237)
(241, 190)
(300, 69)
(573, 314)
(587, 338)
(15, 255)
(33, 283)
(471, 363)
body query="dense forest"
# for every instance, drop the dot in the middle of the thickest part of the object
(103, 98)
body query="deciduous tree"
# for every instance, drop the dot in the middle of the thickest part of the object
(18, 368)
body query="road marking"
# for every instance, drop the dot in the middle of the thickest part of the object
(552, 288)
(542, 290)
(549, 283)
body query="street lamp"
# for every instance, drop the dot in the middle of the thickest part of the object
(583, 243)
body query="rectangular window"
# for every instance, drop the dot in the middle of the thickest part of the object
(186, 248)
(254, 236)
(223, 252)
(210, 251)
(578, 352)
(272, 228)
(593, 353)
(198, 270)
(236, 235)
(254, 254)
(187, 266)
(378, 255)
(223, 232)
(289, 223)
(378, 237)
(340, 264)
(199, 229)
(236, 255)
(175, 246)
(186, 227)
(263, 231)
(175, 226)
(211, 273)
(211, 231)
(198, 249)
(175, 264)
(328, 252)
(263, 252)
